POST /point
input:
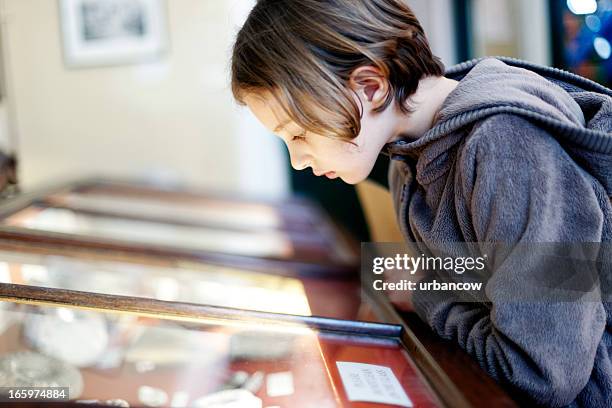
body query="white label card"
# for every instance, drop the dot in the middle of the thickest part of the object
(372, 383)
(280, 384)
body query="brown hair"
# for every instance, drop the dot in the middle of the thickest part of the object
(304, 51)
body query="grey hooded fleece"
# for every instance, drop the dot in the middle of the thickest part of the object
(519, 154)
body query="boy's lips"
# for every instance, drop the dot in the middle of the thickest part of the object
(328, 174)
(331, 175)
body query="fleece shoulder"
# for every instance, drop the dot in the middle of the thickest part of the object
(524, 185)
(509, 142)
(505, 143)
(508, 134)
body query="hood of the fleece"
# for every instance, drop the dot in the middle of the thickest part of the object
(575, 110)
(492, 83)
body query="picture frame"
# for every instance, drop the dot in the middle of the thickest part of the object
(112, 32)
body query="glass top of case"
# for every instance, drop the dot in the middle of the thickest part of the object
(186, 282)
(201, 283)
(128, 359)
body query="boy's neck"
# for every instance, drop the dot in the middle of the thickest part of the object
(426, 102)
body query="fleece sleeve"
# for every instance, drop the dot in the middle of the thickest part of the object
(521, 187)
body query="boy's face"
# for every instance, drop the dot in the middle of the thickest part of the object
(325, 155)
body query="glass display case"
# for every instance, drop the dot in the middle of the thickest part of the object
(186, 282)
(153, 353)
(142, 218)
(191, 207)
(128, 295)
(142, 335)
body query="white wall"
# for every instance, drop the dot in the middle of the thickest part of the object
(534, 31)
(518, 28)
(514, 28)
(172, 119)
(436, 16)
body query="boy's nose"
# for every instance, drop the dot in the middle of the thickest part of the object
(299, 162)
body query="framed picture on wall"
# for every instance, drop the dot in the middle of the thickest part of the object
(112, 32)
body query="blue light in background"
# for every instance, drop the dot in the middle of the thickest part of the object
(593, 22)
(602, 47)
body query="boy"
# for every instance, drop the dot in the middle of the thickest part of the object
(495, 151)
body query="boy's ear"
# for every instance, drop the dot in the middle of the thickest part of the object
(369, 82)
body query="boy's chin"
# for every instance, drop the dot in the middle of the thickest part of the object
(352, 179)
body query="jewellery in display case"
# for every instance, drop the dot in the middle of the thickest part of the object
(152, 397)
(30, 369)
(254, 383)
(73, 336)
(236, 380)
(258, 346)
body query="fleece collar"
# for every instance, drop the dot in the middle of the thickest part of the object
(571, 107)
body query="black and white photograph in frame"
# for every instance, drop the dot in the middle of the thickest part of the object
(112, 32)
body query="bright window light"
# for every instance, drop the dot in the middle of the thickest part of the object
(582, 6)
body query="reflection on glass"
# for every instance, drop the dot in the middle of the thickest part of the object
(260, 243)
(211, 212)
(128, 359)
(144, 361)
(208, 284)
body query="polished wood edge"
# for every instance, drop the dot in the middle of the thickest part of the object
(85, 254)
(190, 312)
(182, 191)
(440, 380)
(479, 388)
(442, 385)
(51, 201)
